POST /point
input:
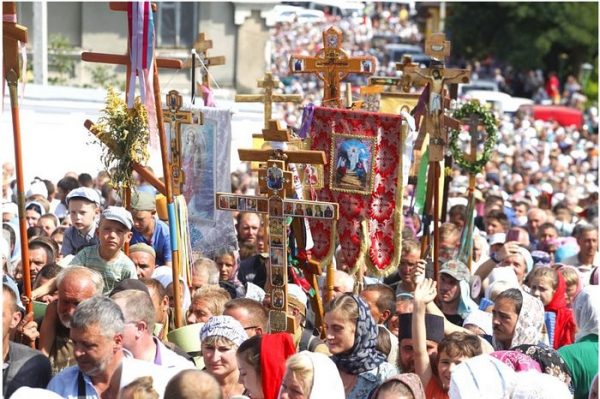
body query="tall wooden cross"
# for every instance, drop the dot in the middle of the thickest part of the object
(201, 47)
(176, 117)
(14, 33)
(275, 183)
(332, 64)
(436, 76)
(268, 98)
(168, 186)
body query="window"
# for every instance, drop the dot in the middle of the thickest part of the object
(176, 24)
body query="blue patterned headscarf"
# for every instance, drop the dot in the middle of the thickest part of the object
(363, 356)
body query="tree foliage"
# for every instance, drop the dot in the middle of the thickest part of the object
(526, 35)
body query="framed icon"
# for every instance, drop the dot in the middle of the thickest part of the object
(351, 164)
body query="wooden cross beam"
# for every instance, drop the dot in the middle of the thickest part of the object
(332, 64)
(268, 98)
(116, 59)
(201, 47)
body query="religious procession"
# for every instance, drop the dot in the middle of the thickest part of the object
(414, 214)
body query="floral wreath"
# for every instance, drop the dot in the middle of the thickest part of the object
(489, 122)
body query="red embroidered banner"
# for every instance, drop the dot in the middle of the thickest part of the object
(364, 175)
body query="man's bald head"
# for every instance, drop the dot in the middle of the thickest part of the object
(193, 384)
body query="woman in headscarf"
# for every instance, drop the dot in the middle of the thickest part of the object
(311, 375)
(261, 361)
(482, 377)
(401, 386)
(351, 335)
(517, 319)
(582, 356)
(228, 263)
(220, 337)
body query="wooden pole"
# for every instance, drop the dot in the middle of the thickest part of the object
(170, 202)
(12, 80)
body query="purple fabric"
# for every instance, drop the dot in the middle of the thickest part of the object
(517, 361)
(307, 117)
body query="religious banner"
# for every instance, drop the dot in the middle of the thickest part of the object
(363, 175)
(205, 153)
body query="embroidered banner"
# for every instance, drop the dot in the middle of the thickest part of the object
(205, 161)
(363, 175)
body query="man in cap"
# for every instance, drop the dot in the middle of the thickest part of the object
(149, 229)
(144, 258)
(83, 207)
(434, 327)
(454, 291)
(107, 257)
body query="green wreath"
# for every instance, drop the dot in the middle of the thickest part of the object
(489, 122)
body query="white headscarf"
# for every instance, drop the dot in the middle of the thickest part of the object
(536, 385)
(482, 377)
(586, 309)
(327, 383)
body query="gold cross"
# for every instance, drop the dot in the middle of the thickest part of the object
(332, 64)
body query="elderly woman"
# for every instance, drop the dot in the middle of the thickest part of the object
(517, 319)
(221, 336)
(351, 338)
(311, 375)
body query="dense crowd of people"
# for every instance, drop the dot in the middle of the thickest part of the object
(518, 320)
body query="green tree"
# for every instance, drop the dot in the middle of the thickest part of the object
(526, 35)
(60, 59)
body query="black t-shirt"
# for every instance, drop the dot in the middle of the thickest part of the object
(455, 319)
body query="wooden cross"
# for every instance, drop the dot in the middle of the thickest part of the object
(116, 59)
(175, 117)
(332, 64)
(436, 76)
(14, 33)
(201, 47)
(268, 98)
(168, 185)
(275, 182)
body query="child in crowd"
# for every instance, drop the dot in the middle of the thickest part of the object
(572, 281)
(548, 285)
(452, 350)
(84, 208)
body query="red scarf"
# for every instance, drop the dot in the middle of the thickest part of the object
(274, 351)
(564, 331)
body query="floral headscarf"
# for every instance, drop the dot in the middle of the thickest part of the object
(412, 382)
(530, 322)
(516, 360)
(549, 360)
(363, 356)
